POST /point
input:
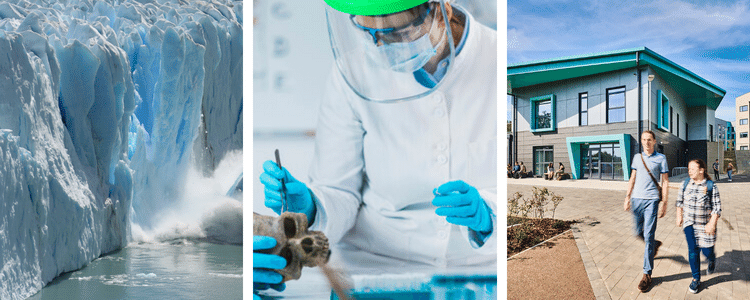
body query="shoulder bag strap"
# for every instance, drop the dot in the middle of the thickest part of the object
(652, 175)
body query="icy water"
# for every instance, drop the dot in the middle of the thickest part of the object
(181, 270)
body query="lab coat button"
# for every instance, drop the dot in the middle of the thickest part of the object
(442, 159)
(439, 98)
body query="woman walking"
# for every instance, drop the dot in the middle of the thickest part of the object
(730, 168)
(698, 211)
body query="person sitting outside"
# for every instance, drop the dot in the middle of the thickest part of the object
(523, 170)
(510, 171)
(516, 170)
(560, 172)
(550, 172)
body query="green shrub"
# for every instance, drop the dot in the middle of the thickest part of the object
(536, 205)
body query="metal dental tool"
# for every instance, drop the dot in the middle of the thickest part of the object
(283, 186)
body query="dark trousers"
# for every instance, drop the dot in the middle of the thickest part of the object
(694, 251)
(716, 175)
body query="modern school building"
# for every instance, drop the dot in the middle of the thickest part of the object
(587, 112)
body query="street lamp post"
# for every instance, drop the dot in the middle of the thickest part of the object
(719, 135)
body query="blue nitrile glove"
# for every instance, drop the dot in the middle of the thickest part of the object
(299, 197)
(263, 277)
(461, 204)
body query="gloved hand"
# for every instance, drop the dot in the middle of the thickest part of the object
(263, 277)
(299, 197)
(461, 204)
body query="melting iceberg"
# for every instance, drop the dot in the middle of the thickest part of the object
(106, 107)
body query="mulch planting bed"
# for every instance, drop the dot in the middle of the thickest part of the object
(532, 231)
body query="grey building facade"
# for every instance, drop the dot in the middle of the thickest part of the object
(587, 112)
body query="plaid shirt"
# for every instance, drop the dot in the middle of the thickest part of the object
(697, 210)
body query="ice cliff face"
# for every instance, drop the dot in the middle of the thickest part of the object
(103, 107)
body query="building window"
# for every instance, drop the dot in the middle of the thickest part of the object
(671, 112)
(663, 121)
(743, 135)
(543, 113)
(743, 108)
(743, 147)
(710, 133)
(678, 124)
(583, 108)
(616, 105)
(543, 156)
(743, 121)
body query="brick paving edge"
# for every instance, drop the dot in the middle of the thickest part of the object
(601, 292)
(547, 240)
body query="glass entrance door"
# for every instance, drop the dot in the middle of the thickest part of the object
(542, 158)
(601, 161)
(595, 166)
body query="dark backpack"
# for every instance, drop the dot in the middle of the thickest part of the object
(709, 189)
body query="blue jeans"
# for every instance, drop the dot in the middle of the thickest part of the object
(694, 253)
(729, 173)
(644, 218)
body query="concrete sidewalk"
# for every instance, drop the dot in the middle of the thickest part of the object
(613, 256)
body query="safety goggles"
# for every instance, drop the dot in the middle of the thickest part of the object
(405, 33)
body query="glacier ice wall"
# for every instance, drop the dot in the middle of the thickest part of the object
(104, 106)
(186, 66)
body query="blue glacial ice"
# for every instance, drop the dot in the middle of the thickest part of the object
(120, 121)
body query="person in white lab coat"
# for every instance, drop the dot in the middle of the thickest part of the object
(405, 163)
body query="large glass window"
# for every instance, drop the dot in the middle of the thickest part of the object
(678, 124)
(743, 135)
(664, 121)
(543, 113)
(743, 147)
(743, 108)
(710, 133)
(583, 108)
(616, 105)
(542, 158)
(743, 121)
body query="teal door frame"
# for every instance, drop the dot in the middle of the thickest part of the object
(574, 151)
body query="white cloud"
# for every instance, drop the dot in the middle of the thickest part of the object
(672, 26)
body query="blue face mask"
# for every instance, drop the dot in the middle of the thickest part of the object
(408, 57)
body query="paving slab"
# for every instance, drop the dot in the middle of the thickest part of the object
(613, 256)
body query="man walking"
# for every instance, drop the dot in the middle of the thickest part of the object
(716, 170)
(644, 196)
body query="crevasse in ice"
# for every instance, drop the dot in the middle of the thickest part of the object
(104, 106)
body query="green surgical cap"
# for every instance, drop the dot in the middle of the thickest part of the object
(372, 7)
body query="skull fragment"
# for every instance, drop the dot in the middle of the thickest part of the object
(294, 242)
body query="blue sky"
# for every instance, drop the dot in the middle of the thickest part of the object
(709, 38)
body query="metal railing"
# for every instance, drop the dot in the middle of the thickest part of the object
(677, 171)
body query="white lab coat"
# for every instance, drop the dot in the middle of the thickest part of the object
(375, 165)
